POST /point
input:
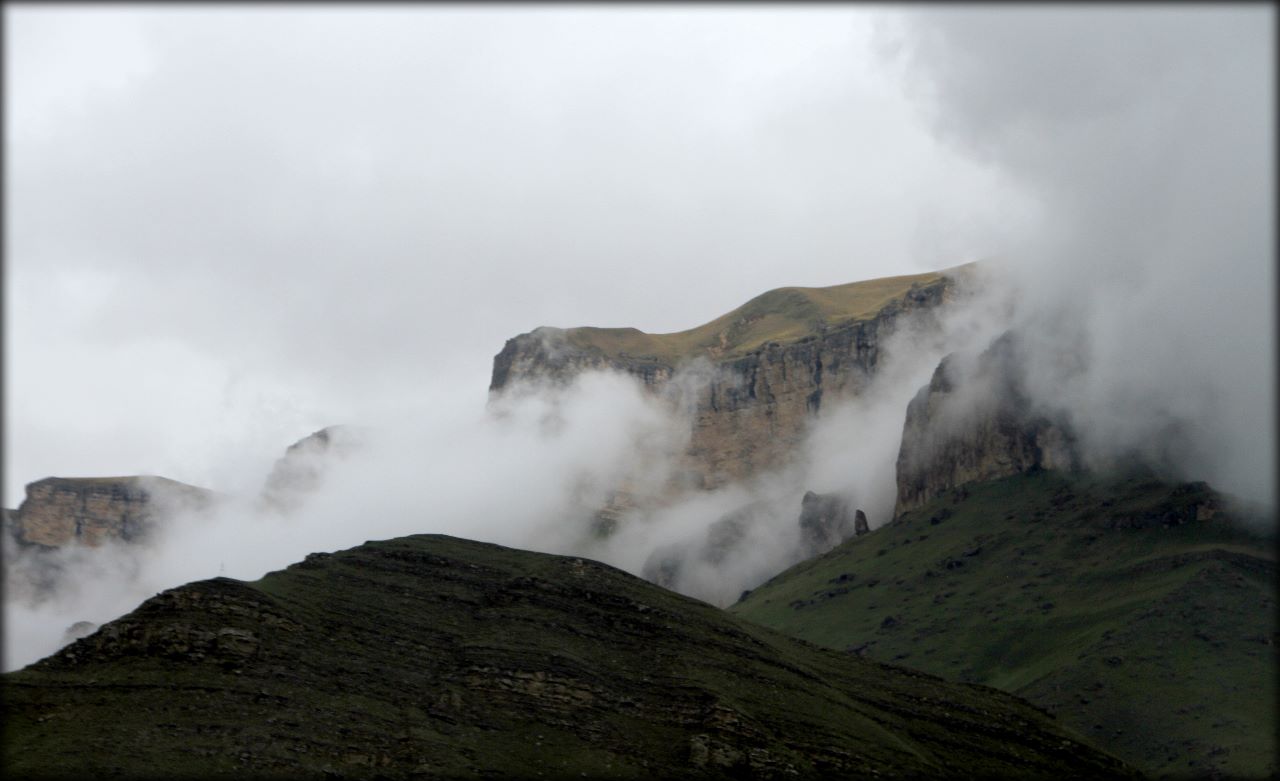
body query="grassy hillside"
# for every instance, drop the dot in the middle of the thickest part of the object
(1157, 642)
(780, 315)
(429, 657)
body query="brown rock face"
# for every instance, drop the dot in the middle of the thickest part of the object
(974, 422)
(747, 394)
(58, 510)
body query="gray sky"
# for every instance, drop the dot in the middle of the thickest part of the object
(230, 226)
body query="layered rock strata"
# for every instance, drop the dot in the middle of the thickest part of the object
(59, 511)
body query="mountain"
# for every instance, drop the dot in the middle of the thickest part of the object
(1141, 613)
(89, 511)
(428, 656)
(750, 379)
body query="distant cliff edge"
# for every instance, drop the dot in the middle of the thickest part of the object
(765, 368)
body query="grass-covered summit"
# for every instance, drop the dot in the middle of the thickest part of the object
(780, 315)
(430, 657)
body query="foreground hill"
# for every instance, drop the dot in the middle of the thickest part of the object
(428, 656)
(1132, 609)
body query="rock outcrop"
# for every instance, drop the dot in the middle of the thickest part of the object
(58, 511)
(750, 380)
(975, 422)
(826, 520)
(302, 467)
(78, 630)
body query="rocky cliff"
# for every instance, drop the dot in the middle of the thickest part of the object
(750, 380)
(824, 521)
(432, 657)
(975, 422)
(302, 467)
(92, 510)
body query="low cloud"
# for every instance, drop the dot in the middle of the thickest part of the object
(525, 473)
(531, 469)
(1142, 140)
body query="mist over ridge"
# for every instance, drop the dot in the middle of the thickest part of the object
(1146, 284)
(350, 271)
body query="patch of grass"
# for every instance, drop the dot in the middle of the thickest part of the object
(782, 315)
(1028, 584)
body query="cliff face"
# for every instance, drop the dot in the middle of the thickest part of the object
(974, 422)
(58, 511)
(748, 381)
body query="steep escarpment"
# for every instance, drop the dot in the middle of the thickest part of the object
(750, 380)
(428, 656)
(973, 422)
(89, 511)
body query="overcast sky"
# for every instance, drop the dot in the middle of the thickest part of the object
(229, 226)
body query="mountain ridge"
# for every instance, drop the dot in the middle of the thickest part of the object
(429, 656)
(780, 315)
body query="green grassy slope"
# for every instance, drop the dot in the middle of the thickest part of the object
(780, 315)
(428, 657)
(1156, 642)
